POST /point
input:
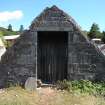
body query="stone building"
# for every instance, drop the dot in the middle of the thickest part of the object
(55, 48)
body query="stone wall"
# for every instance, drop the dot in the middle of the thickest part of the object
(20, 60)
(85, 61)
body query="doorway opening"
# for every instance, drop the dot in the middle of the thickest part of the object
(52, 56)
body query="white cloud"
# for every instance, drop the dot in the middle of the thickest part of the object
(7, 16)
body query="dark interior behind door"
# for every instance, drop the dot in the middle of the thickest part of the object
(52, 56)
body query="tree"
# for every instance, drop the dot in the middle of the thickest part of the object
(21, 28)
(103, 36)
(9, 27)
(94, 31)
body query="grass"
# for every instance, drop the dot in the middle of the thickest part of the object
(19, 96)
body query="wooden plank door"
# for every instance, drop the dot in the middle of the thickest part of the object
(52, 56)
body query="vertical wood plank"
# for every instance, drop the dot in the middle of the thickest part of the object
(52, 56)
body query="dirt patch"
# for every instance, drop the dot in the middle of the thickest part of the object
(46, 95)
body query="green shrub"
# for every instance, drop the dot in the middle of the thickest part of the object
(82, 86)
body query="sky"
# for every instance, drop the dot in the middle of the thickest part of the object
(22, 12)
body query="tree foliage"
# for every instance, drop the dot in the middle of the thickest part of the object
(94, 31)
(21, 28)
(9, 27)
(103, 36)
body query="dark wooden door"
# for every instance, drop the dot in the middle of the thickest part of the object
(52, 56)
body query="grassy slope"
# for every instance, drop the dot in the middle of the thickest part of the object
(6, 32)
(18, 96)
